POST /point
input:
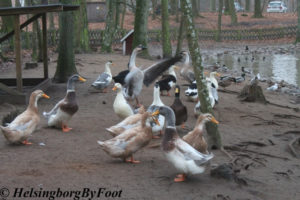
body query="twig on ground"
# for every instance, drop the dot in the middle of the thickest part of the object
(291, 147)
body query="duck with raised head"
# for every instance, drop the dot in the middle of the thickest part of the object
(179, 109)
(195, 137)
(136, 78)
(104, 79)
(186, 159)
(131, 140)
(63, 111)
(128, 123)
(121, 106)
(186, 72)
(168, 81)
(24, 124)
(154, 106)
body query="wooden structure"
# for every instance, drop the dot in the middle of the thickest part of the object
(96, 10)
(127, 41)
(17, 90)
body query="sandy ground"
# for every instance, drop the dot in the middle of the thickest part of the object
(74, 160)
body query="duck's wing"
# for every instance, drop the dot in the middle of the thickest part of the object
(54, 109)
(103, 79)
(154, 71)
(132, 80)
(190, 153)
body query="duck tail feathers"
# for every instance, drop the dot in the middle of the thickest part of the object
(100, 143)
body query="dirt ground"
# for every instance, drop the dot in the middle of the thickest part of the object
(74, 160)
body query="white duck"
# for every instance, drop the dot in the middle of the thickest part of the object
(154, 106)
(104, 79)
(186, 72)
(121, 106)
(63, 111)
(183, 156)
(24, 124)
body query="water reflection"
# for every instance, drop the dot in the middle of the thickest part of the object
(277, 66)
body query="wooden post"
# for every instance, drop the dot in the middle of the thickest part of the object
(45, 45)
(18, 52)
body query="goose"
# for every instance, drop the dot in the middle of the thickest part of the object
(179, 109)
(64, 110)
(186, 72)
(131, 140)
(195, 137)
(24, 124)
(168, 81)
(104, 79)
(135, 79)
(155, 104)
(121, 106)
(120, 77)
(192, 92)
(186, 159)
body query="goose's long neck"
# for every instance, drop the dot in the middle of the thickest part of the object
(200, 124)
(170, 119)
(107, 69)
(71, 86)
(132, 60)
(156, 98)
(187, 60)
(33, 103)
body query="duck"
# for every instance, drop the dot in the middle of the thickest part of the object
(155, 104)
(273, 87)
(18, 131)
(195, 137)
(212, 79)
(137, 77)
(179, 109)
(197, 109)
(192, 92)
(131, 140)
(104, 79)
(168, 81)
(120, 77)
(239, 79)
(121, 106)
(212, 93)
(129, 122)
(65, 109)
(185, 158)
(186, 71)
(225, 82)
(246, 71)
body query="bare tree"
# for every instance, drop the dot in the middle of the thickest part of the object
(166, 42)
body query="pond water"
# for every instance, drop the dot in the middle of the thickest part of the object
(275, 66)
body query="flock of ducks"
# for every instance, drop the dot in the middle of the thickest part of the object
(137, 128)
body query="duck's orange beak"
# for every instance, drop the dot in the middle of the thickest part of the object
(213, 120)
(218, 74)
(114, 88)
(156, 121)
(205, 73)
(45, 96)
(81, 79)
(155, 113)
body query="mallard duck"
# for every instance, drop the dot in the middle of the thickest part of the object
(129, 122)
(104, 79)
(225, 81)
(136, 77)
(63, 111)
(131, 140)
(120, 78)
(155, 104)
(168, 81)
(186, 71)
(183, 156)
(121, 106)
(192, 92)
(24, 124)
(179, 109)
(195, 137)
(239, 79)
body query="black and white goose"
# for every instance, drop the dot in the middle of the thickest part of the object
(186, 159)
(104, 79)
(168, 81)
(63, 111)
(136, 78)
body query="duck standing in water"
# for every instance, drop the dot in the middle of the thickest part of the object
(24, 124)
(186, 159)
(63, 111)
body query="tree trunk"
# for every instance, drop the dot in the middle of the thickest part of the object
(218, 37)
(66, 59)
(257, 9)
(109, 28)
(232, 12)
(82, 39)
(180, 35)
(177, 11)
(214, 139)
(18, 4)
(117, 16)
(195, 8)
(52, 27)
(37, 52)
(298, 25)
(7, 21)
(154, 6)
(247, 6)
(212, 5)
(166, 42)
(141, 25)
(227, 9)
(123, 13)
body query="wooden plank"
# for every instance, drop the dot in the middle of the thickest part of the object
(45, 45)
(9, 90)
(17, 43)
(27, 82)
(26, 23)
